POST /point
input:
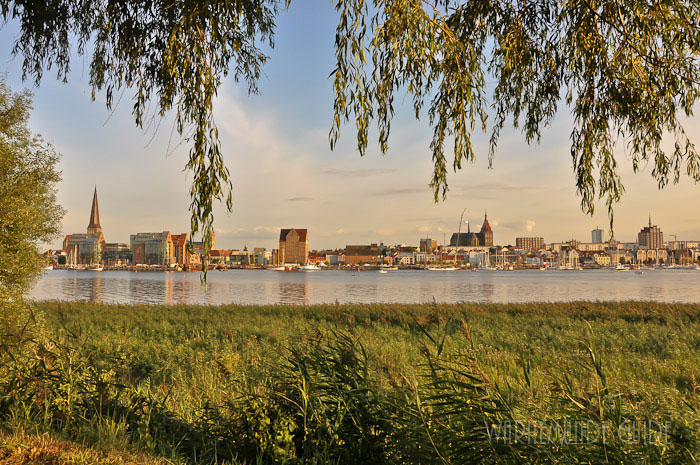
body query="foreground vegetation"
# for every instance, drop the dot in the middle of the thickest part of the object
(356, 384)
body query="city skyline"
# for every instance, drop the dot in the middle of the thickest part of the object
(94, 227)
(284, 174)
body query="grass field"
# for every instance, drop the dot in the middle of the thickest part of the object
(358, 384)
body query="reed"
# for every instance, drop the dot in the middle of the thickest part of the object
(384, 383)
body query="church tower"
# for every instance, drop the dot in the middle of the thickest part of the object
(486, 233)
(94, 226)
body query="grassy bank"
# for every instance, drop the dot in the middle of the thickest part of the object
(365, 383)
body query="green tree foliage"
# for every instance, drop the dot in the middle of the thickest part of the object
(173, 53)
(29, 215)
(628, 70)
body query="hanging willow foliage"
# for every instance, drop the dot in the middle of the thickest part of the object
(173, 53)
(628, 70)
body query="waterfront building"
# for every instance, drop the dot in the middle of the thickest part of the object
(84, 249)
(242, 257)
(152, 249)
(405, 258)
(261, 256)
(597, 236)
(426, 258)
(361, 254)
(529, 243)
(317, 258)
(293, 246)
(183, 255)
(648, 256)
(115, 254)
(650, 237)
(223, 257)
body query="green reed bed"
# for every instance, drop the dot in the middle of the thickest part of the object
(384, 383)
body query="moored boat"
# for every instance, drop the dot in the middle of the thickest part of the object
(309, 267)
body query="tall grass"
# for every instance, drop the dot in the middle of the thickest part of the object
(366, 383)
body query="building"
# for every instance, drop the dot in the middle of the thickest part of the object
(221, 257)
(115, 254)
(184, 253)
(152, 249)
(529, 243)
(294, 246)
(362, 254)
(483, 238)
(649, 256)
(261, 256)
(650, 237)
(597, 236)
(428, 245)
(426, 257)
(86, 249)
(467, 239)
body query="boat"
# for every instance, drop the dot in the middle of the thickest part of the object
(275, 268)
(383, 271)
(95, 268)
(622, 267)
(639, 272)
(48, 268)
(390, 268)
(309, 267)
(437, 268)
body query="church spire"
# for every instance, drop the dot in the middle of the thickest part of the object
(650, 220)
(94, 226)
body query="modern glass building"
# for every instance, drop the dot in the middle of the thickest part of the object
(152, 249)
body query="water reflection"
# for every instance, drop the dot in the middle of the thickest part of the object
(296, 292)
(262, 287)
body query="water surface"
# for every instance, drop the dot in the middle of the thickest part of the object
(409, 286)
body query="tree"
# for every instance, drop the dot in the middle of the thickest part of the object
(29, 215)
(629, 69)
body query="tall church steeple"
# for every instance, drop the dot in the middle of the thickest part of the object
(94, 226)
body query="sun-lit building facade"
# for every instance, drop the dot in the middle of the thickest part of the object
(152, 248)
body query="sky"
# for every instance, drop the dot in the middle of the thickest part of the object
(285, 175)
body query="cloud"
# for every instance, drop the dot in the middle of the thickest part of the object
(518, 226)
(359, 173)
(300, 199)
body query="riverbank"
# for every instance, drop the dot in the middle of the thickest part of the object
(382, 383)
